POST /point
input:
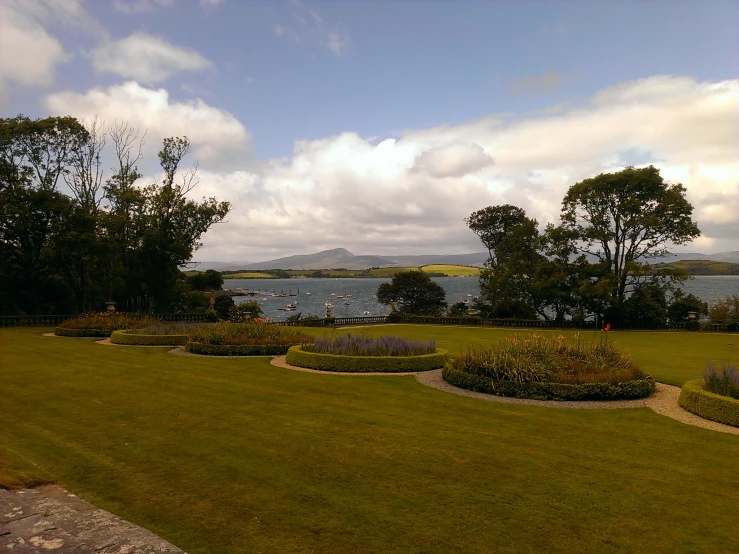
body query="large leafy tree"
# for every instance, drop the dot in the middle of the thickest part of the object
(625, 219)
(492, 225)
(413, 293)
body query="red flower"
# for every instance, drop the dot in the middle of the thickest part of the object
(608, 326)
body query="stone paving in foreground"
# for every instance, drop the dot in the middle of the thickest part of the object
(50, 520)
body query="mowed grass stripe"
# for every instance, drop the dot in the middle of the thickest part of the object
(240, 456)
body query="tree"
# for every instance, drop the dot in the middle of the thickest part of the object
(492, 224)
(210, 280)
(623, 220)
(646, 304)
(413, 293)
(246, 311)
(682, 304)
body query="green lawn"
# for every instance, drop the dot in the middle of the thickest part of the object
(452, 270)
(229, 456)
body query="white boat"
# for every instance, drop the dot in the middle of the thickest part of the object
(366, 313)
(307, 294)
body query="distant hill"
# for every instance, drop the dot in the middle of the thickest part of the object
(341, 257)
(703, 267)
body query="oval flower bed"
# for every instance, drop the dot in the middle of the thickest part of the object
(244, 339)
(716, 397)
(102, 324)
(553, 368)
(353, 354)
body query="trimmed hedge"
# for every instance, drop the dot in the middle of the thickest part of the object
(135, 339)
(696, 399)
(237, 349)
(364, 364)
(549, 391)
(64, 332)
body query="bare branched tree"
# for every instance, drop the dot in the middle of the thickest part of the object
(85, 176)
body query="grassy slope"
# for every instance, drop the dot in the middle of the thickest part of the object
(703, 267)
(452, 270)
(249, 275)
(230, 456)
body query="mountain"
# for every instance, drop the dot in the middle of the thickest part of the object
(341, 257)
(328, 259)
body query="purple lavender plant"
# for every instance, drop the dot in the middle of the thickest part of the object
(354, 345)
(723, 381)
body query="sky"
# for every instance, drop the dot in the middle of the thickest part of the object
(378, 126)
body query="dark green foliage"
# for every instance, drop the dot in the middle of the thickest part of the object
(678, 311)
(365, 364)
(64, 332)
(210, 280)
(247, 311)
(648, 302)
(493, 224)
(413, 293)
(549, 391)
(223, 304)
(723, 380)
(237, 349)
(696, 399)
(139, 339)
(725, 311)
(458, 309)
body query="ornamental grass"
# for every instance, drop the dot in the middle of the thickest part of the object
(227, 333)
(361, 345)
(555, 359)
(109, 321)
(723, 380)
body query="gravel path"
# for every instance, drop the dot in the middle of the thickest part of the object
(663, 401)
(279, 361)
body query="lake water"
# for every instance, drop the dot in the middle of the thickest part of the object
(312, 294)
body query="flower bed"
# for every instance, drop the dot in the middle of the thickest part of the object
(298, 356)
(549, 368)
(244, 339)
(138, 338)
(102, 324)
(696, 399)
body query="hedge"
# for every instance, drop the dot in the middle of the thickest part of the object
(696, 399)
(549, 391)
(64, 332)
(363, 364)
(237, 349)
(135, 339)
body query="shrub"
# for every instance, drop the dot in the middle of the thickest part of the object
(299, 357)
(725, 311)
(140, 338)
(724, 382)
(63, 332)
(222, 305)
(535, 358)
(246, 311)
(696, 399)
(360, 345)
(237, 349)
(549, 368)
(549, 391)
(248, 334)
(104, 322)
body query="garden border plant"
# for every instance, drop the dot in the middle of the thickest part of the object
(715, 397)
(135, 338)
(244, 339)
(102, 324)
(550, 368)
(298, 357)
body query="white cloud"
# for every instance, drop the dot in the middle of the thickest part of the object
(217, 137)
(413, 193)
(29, 53)
(146, 58)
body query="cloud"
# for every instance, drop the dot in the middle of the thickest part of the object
(217, 137)
(452, 160)
(412, 194)
(140, 6)
(547, 81)
(35, 52)
(146, 58)
(309, 26)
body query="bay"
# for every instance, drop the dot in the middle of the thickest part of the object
(311, 295)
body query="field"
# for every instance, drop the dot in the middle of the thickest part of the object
(452, 270)
(702, 267)
(249, 275)
(228, 456)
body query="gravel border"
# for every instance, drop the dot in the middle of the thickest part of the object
(279, 361)
(663, 401)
